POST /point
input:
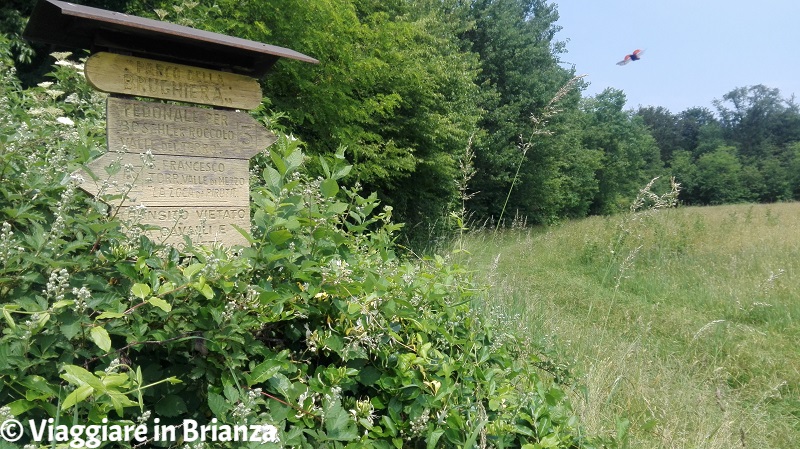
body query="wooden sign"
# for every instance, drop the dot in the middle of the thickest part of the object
(196, 180)
(172, 180)
(138, 126)
(129, 75)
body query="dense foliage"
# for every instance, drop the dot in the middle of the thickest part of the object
(317, 328)
(417, 91)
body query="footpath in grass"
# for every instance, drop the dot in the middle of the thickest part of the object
(683, 322)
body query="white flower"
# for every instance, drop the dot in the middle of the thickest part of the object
(65, 121)
(76, 178)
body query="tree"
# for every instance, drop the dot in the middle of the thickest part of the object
(752, 118)
(515, 40)
(793, 152)
(630, 155)
(664, 127)
(694, 125)
(682, 166)
(720, 179)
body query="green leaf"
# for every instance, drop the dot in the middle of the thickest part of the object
(329, 188)
(326, 170)
(171, 406)
(105, 315)
(273, 179)
(43, 319)
(337, 208)
(38, 384)
(192, 269)
(63, 303)
(71, 327)
(474, 435)
(160, 303)
(77, 396)
(114, 380)
(166, 287)
(9, 319)
(280, 236)
(280, 165)
(549, 441)
(120, 401)
(100, 337)
(207, 291)
(20, 406)
(389, 423)
(342, 172)
(263, 372)
(218, 404)
(338, 424)
(140, 290)
(433, 438)
(294, 160)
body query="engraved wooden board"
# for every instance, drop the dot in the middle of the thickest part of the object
(196, 180)
(203, 225)
(138, 126)
(171, 181)
(129, 75)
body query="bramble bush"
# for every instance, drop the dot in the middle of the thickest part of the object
(317, 328)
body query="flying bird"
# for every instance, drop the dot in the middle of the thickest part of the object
(635, 56)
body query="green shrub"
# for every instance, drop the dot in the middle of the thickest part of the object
(317, 328)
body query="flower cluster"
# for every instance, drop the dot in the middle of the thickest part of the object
(337, 271)
(7, 247)
(59, 225)
(363, 409)
(82, 295)
(420, 423)
(245, 407)
(113, 367)
(57, 284)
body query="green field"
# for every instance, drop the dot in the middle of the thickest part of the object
(685, 321)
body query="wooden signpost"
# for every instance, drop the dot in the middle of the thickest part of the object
(181, 170)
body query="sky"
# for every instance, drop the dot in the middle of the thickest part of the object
(695, 51)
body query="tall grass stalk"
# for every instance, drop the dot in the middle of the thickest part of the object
(538, 128)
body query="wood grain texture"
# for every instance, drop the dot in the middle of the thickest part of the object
(138, 126)
(129, 75)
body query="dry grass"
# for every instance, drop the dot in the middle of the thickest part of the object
(685, 321)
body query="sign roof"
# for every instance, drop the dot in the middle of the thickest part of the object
(66, 24)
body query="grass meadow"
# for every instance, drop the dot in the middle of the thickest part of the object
(681, 324)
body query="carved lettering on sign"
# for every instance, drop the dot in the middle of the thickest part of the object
(165, 180)
(129, 75)
(203, 225)
(139, 126)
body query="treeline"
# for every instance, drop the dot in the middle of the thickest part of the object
(747, 150)
(449, 103)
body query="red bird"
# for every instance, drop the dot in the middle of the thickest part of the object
(631, 57)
